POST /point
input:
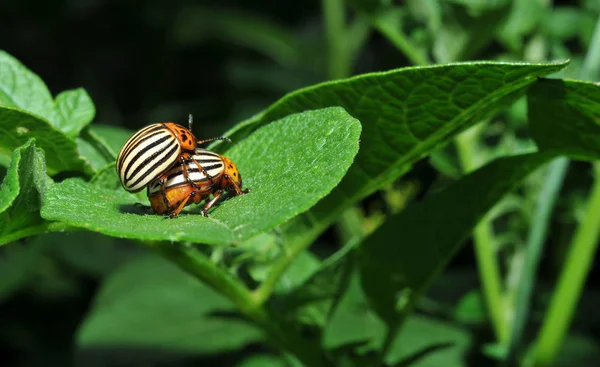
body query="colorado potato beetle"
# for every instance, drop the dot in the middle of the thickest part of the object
(152, 151)
(201, 174)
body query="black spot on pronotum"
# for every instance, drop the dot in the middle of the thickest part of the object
(184, 137)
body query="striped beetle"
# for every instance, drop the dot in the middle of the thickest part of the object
(201, 174)
(152, 151)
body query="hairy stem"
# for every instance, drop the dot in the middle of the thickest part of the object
(334, 14)
(533, 251)
(571, 281)
(283, 335)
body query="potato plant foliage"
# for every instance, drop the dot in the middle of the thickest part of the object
(254, 272)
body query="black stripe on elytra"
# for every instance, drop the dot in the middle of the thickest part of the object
(154, 166)
(133, 142)
(205, 153)
(191, 170)
(207, 161)
(135, 159)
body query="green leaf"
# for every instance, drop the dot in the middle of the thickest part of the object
(302, 269)
(433, 230)
(74, 111)
(352, 320)
(17, 266)
(22, 89)
(22, 193)
(564, 116)
(406, 114)
(62, 154)
(426, 342)
(151, 303)
(288, 165)
(111, 137)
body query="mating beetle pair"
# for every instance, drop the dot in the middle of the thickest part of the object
(165, 158)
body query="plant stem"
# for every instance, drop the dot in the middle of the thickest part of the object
(591, 64)
(533, 251)
(582, 249)
(399, 40)
(294, 246)
(483, 238)
(571, 281)
(280, 333)
(334, 16)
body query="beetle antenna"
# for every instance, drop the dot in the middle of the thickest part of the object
(214, 139)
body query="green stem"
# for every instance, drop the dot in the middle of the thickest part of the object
(591, 64)
(285, 336)
(334, 15)
(399, 40)
(533, 251)
(582, 249)
(571, 281)
(294, 246)
(483, 238)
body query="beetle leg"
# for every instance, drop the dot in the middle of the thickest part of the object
(163, 192)
(211, 203)
(210, 178)
(182, 160)
(175, 212)
(234, 185)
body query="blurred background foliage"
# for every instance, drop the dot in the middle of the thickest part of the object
(223, 61)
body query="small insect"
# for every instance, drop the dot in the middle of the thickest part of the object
(201, 174)
(152, 151)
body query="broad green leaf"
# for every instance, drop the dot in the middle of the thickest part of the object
(564, 116)
(22, 193)
(151, 303)
(112, 137)
(62, 154)
(288, 165)
(426, 342)
(93, 157)
(433, 230)
(406, 114)
(74, 111)
(107, 178)
(22, 89)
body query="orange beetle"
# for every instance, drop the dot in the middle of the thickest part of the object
(200, 175)
(152, 151)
